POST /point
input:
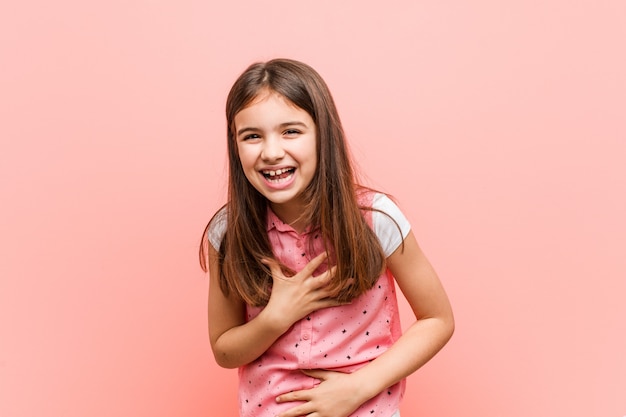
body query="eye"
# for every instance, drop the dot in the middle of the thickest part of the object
(292, 132)
(251, 136)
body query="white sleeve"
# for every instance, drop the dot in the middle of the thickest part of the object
(390, 226)
(217, 229)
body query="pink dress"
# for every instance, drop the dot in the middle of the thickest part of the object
(342, 338)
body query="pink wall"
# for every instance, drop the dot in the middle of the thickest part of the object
(499, 126)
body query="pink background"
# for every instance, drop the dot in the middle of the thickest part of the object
(499, 126)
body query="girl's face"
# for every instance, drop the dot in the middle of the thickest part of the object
(277, 150)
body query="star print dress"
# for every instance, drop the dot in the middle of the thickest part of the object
(342, 338)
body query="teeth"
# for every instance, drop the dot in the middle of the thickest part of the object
(277, 172)
(278, 180)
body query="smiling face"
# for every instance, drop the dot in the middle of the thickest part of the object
(277, 146)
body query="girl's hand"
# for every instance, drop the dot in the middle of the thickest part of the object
(337, 395)
(293, 298)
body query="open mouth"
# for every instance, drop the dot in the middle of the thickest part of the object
(279, 175)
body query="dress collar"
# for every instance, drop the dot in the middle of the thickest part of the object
(274, 222)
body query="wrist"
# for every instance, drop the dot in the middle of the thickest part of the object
(366, 387)
(274, 322)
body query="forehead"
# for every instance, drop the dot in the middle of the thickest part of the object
(269, 106)
(266, 94)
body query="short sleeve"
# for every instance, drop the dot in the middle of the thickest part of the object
(390, 224)
(217, 228)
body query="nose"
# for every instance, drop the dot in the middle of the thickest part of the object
(273, 150)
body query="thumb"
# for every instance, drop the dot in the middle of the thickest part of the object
(271, 263)
(320, 374)
(274, 267)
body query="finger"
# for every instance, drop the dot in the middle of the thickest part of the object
(321, 374)
(345, 285)
(324, 279)
(321, 282)
(344, 288)
(269, 262)
(315, 263)
(329, 302)
(274, 267)
(299, 411)
(301, 395)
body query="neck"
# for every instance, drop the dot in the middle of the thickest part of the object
(291, 215)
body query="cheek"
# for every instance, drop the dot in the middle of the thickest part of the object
(313, 157)
(245, 158)
(248, 169)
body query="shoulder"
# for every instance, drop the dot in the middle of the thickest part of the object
(217, 227)
(389, 222)
(383, 203)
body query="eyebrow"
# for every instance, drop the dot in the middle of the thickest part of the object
(281, 126)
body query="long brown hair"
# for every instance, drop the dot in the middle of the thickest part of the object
(333, 208)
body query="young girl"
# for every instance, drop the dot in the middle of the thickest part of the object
(302, 262)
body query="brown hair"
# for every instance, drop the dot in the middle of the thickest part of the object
(332, 194)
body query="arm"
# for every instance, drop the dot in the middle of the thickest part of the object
(340, 394)
(236, 342)
(432, 329)
(227, 324)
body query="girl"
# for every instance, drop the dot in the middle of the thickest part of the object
(302, 262)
